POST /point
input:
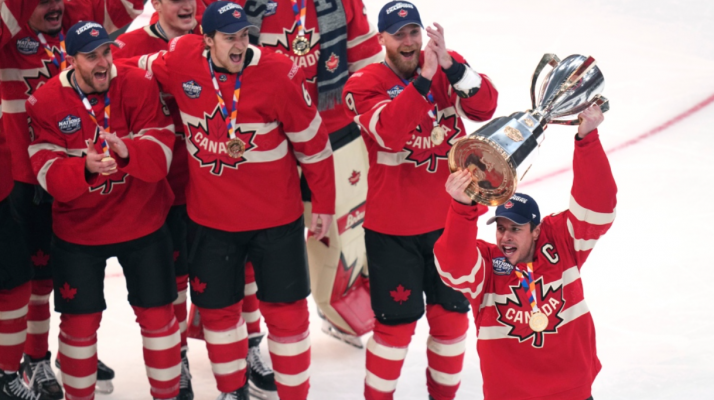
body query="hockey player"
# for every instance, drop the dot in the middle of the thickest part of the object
(102, 149)
(175, 18)
(536, 338)
(410, 109)
(243, 196)
(33, 56)
(298, 30)
(15, 270)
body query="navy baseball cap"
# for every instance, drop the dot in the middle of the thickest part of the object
(225, 17)
(85, 37)
(520, 208)
(396, 14)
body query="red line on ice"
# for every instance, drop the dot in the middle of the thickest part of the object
(633, 141)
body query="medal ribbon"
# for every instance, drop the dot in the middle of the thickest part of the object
(62, 64)
(162, 32)
(429, 96)
(88, 107)
(299, 16)
(230, 119)
(528, 284)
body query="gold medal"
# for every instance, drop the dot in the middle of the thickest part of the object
(108, 159)
(538, 321)
(301, 46)
(235, 148)
(438, 135)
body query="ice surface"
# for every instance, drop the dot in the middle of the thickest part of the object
(648, 282)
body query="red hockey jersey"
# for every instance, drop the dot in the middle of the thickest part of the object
(25, 65)
(276, 119)
(407, 172)
(278, 31)
(95, 209)
(146, 41)
(5, 164)
(517, 363)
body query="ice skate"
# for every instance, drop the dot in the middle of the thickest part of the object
(338, 334)
(105, 375)
(261, 378)
(240, 394)
(12, 388)
(185, 388)
(39, 377)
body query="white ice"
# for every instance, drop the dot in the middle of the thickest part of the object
(648, 283)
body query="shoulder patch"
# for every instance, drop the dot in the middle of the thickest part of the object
(192, 89)
(501, 266)
(394, 91)
(27, 46)
(172, 44)
(149, 75)
(357, 74)
(32, 100)
(271, 8)
(70, 124)
(294, 70)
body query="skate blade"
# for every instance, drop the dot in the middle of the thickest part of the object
(104, 387)
(257, 393)
(341, 336)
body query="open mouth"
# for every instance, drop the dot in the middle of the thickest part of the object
(408, 54)
(54, 17)
(237, 58)
(186, 17)
(508, 250)
(101, 76)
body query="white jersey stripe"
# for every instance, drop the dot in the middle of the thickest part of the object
(42, 175)
(35, 148)
(13, 106)
(38, 327)
(161, 343)
(228, 367)
(13, 314)
(79, 382)
(266, 156)
(77, 352)
(250, 317)
(250, 289)
(444, 378)
(386, 352)
(580, 244)
(12, 25)
(392, 159)
(315, 158)
(168, 153)
(288, 349)
(229, 336)
(358, 65)
(589, 216)
(446, 349)
(308, 133)
(164, 374)
(373, 126)
(383, 385)
(292, 380)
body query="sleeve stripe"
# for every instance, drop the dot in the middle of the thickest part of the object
(142, 132)
(470, 80)
(308, 133)
(361, 39)
(167, 151)
(108, 23)
(453, 282)
(13, 106)
(580, 244)
(263, 156)
(259, 127)
(373, 127)
(391, 159)
(9, 20)
(359, 64)
(35, 148)
(589, 216)
(315, 158)
(42, 175)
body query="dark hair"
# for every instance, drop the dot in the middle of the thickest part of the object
(211, 35)
(532, 224)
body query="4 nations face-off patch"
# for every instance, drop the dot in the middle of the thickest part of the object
(501, 266)
(192, 89)
(27, 46)
(70, 124)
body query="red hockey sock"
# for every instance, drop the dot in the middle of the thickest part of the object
(13, 325)
(289, 346)
(78, 354)
(162, 349)
(180, 308)
(227, 344)
(38, 319)
(445, 351)
(386, 351)
(251, 311)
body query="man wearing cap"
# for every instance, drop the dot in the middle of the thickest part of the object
(410, 109)
(31, 52)
(102, 149)
(536, 338)
(243, 196)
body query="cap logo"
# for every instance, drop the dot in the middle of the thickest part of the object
(508, 205)
(236, 14)
(87, 26)
(229, 7)
(403, 13)
(398, 6)
(94, 32)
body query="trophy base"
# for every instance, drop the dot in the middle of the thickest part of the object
(493, 178)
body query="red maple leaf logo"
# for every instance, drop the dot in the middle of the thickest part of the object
(44, 74)
(236, 14)
(197, 285)
(400, 295)
(176, 255)
(332, 62)
(206, 142)
(403, 13)
(94, 32)
(516, 314)
(40, 259)
(354, 178)
(423, 152)
(68, 292)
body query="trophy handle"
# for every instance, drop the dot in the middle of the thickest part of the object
(602, 101)
(548, 59)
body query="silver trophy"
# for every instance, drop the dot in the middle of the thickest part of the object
(504, 149)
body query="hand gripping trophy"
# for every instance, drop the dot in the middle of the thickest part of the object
(503, 150)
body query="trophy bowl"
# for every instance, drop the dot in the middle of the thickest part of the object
(501, 152)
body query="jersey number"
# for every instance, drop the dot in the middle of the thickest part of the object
(350, 101)
(306, 95)
(549, 252)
